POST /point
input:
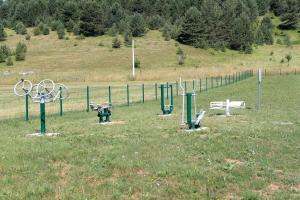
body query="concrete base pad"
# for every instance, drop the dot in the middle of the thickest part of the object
(41, 135)
(166, 116)
(112, 123)
(202, 129)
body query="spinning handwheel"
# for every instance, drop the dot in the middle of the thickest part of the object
(23, 88)
(45, 88)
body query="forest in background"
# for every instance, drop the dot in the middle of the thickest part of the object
(219, 24)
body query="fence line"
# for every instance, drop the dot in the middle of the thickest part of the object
(127, 95)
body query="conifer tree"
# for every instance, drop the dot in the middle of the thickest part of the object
(2, 33)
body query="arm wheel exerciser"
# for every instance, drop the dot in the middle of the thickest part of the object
(166, 109)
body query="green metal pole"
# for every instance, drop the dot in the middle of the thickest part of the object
(87, 99)
(221, 81)
(206, 84)
(143, 93)
(156, 91)
(200, 85)
(212, 82)
(177, 88)
(189, 109)
(185, 86)
(128, 95)
(162, 97)
(229, 79)
(26, 108)
(167, 90)
(60, 102)
(109, 94)
(43, 116)
(171, 91)
(193, 84)
(217, 80)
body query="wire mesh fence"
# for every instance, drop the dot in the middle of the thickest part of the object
(81, 97)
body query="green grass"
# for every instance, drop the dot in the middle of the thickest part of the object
(63, 61)
(252, 155)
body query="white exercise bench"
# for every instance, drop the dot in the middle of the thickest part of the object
(227, 105)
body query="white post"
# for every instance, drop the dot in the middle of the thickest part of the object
(133, 60)
(259, 89)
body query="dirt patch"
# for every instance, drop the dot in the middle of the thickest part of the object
(233, 161)
(142, 172)
(296, 188)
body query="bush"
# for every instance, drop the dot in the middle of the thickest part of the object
(76, 29)
(5, 50)
(46, 30)
(60, 31)
(80, 37)
(279, 41)
(101, 44)
(128, 39)
(137, 63)
(9, 61)
(180, 56)
(287, 40)
(21, 51)
(20, 28)
(28, 37)
(70, 25)
(54, 25)
(36, 31)
(2, 57)
(41, 26)
(155, 22)
(116, 43)
(67, 38)
(3, 34)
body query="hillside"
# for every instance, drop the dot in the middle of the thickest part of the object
(85, 61)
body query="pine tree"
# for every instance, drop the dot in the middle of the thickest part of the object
(9, 61)
(21, 29)
(128, 39)
(46, 30)
(2, 33)
(60, 31)
(21, 50)
(264, 33)
(116, 43)
(137, 25)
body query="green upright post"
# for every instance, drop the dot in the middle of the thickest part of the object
(206, 84)
(43, 116)
(162, 97)
(200, 85)
(193, 84)
(60, 102)
(212, 82)
(109, 94)
(156, 91)
(143, 93)
(217, 81)
(185, 86)
(167, 90)
(171, 91)
(26, 108)
(128, 95)
(189, 109)
(87, 99)
(229, 79)
(177, 88)
(221, 81)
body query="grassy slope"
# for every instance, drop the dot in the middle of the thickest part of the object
(150, 158)
(60, 60)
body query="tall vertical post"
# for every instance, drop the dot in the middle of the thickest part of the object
(133, 60)
(259, 88)
(26, 108)
(167, 90)
(87, 99)
(217, 80)
(221, 81)
(185, 86)
(60, 102)
(211, 82)
(128, 100)
(171, 93)
(193, 84)
(206, 84)
(177, 88)
(156, 91)
(143, 93)
(162, 98)
(189, 109)
(109, 94)
(43, 115)
(200, 82)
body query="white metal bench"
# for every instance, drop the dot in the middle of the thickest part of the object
(227, 105)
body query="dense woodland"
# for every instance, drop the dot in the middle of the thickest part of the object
(234, 24)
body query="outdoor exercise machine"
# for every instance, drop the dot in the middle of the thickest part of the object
(227, 106)
(193, 124)
(44, 92)
(103, 110)
(166, 109)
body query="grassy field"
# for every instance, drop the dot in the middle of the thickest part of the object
(248, 156)
(84, 61)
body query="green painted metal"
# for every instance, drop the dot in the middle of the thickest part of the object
(166, 109)
(193, 84)
(189, 109)
(167, 90)
(177, 88)
(206, 86)
(185, 86)
(221, 81)
(200, 82)
(128, 100)
(109, 94)
(60, 102)
(217, 80)
(212, 82)
(87, 99)
(229, 79)
(156, 91)
(26, 108)
(43, 116)
(143, 93)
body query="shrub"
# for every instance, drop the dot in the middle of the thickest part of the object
(3, 34)
(21, 29)
(101, 44)
(67, 38)
(288, 58)
(54, 25)
(76, 29)
(21, 51)
(46, 30)
(137, 63)
(80, 37)
(287, 40)
(36, 31)
(180, 56)
(128, 39)
(9, 61)
(279, 41)
(60, 31)
(2, 57)
(41, 26)
(70, 25)
(5, 50)
(116, 43)
(28, 37)
(155, 22)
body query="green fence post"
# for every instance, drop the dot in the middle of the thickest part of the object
(189, 109)
(60, 102)
(200, 85)
(177, 88)
(128, 101)
(229, 79)
(26, 108)
(167, 90)
(87, 99)
(143, 93)
(193, 84)
(217, 81)
(280, 72)
(211, 82)
(43, 116)
(221, 81)
(206, 84)
(185, 86)
(156, 91)
(109, 94)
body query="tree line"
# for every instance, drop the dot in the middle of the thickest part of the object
(234, 24)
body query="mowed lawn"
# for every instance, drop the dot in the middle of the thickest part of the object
(250, 155)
